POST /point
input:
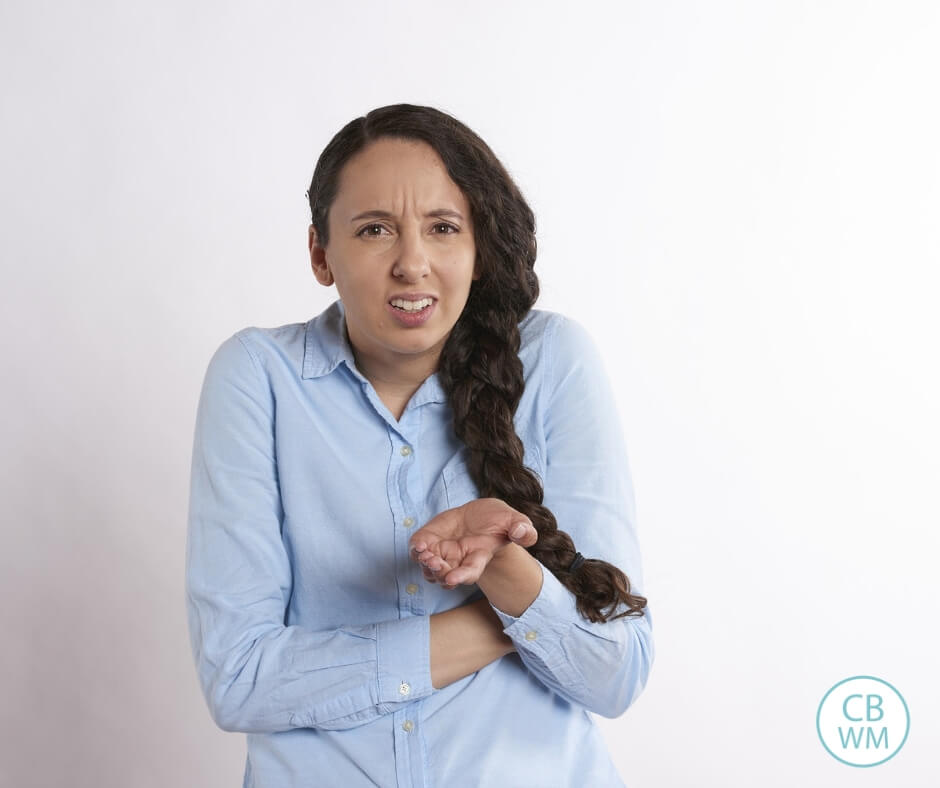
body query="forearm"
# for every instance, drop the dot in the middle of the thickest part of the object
(464, 640)
(600, 666)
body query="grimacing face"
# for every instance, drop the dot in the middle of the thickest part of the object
(399, 227)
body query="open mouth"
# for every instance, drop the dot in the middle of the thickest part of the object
(411, 307)
(412, 313)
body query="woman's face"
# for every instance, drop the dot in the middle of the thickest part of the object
(400, 231)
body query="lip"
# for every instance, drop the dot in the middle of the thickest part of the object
(411, 319)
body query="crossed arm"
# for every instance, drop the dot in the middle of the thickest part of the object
(601, 666)
(468, 638)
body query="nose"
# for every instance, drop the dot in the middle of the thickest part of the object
(412, 263)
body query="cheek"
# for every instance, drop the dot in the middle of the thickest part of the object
(460, 271)
(361, 288)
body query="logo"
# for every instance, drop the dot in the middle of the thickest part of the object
(863, 721)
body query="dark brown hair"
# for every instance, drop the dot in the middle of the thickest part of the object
(479, 367)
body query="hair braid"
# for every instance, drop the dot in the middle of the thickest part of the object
(481, 372)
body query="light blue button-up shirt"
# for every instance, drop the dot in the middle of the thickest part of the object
(309, 621)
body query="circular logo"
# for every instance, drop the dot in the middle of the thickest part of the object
(862, 721)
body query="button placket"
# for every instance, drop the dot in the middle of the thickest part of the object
(410, 600)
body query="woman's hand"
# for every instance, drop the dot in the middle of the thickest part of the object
(454, 547)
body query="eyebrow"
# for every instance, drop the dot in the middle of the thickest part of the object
(438, 212)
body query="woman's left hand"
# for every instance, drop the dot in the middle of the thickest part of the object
(454, 547)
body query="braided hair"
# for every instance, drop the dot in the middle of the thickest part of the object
(479, 367)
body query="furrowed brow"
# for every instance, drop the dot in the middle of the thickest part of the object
(376, 214)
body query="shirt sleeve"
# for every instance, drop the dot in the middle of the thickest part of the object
(600, 666)
(257, 674)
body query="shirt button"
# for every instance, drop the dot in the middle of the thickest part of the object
(531, 635)
(405, 451)
(404, 689)
(408, 726)
(411, 588)
(408, 522)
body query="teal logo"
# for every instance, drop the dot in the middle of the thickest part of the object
(863, 721)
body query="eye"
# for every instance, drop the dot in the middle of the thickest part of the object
(365, 232)
(449, 228)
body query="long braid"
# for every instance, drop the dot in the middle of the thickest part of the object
(482, 374)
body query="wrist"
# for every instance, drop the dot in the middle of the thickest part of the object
(507, 555)
(511, 580)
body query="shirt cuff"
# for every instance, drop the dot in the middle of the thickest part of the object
(547, 619)
(403, 659)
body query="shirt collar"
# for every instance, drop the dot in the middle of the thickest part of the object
(326, 346)
(326, 343)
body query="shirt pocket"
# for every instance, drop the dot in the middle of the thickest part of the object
(459, 487)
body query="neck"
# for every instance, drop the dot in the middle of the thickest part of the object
(401, 375)
(398, 375)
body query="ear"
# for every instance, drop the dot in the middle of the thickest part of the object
(321, 269)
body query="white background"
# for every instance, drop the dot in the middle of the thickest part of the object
(740, 200)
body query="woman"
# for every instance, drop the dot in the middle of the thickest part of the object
(383, 585)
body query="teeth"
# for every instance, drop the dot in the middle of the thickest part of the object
(412, 306)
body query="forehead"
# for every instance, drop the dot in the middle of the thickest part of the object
(389, 174)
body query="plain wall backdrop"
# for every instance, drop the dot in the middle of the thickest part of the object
(740, 201)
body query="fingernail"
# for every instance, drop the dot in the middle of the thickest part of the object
(518, 532)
